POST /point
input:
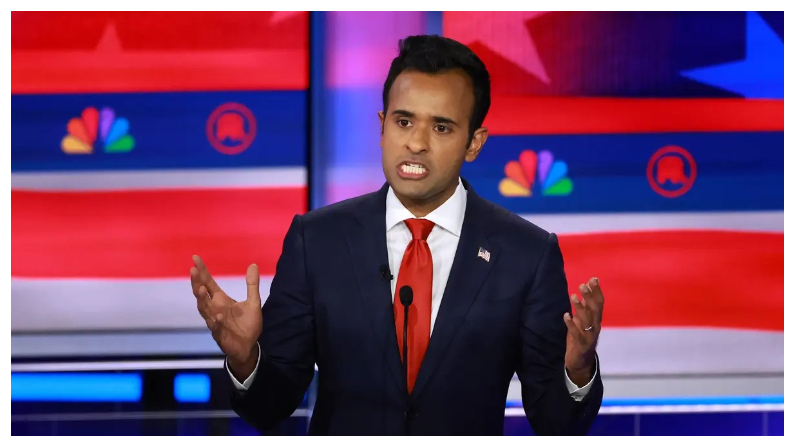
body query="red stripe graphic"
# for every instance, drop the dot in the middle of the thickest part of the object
(149, 234)
(722, 279)
(529, 115)
(109, 51)
(683, 278)
(31, 72)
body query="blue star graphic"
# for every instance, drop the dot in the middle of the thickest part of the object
(760, 74)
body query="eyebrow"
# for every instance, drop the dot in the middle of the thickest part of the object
(437, 119)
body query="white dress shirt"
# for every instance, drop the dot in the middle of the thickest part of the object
(443, 242)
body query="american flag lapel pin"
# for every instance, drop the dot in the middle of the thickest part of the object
(484, 254)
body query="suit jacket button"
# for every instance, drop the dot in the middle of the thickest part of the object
(412, 412)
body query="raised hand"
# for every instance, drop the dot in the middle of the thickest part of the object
(235, 325)
(583, 333)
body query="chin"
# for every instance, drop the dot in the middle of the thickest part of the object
(417, 194)
(410, 190)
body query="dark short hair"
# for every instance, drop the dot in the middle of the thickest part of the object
(436, 54)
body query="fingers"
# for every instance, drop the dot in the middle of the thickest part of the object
(202, 296)
(570, 323)
(575, 331)
(195, 282)
(581, 317)
(252, 286)
(594, 299)
(204, 276)
(202, 300)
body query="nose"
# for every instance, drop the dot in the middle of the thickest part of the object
(419, 140)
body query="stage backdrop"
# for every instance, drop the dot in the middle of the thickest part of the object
(652, 143)
(140, 139)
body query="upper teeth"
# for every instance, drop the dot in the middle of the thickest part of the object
(409, 168)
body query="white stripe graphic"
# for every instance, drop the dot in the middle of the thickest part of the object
(47, 306)
(121, 365)
(657, 409)
(761, 221)
(673, 350)
(94, 304)
(159, 179)
(123, 344)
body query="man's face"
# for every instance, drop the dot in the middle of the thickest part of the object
(424, 136)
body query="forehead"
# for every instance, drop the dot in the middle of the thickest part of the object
(447, 94)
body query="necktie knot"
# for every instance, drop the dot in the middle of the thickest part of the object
(420, 228)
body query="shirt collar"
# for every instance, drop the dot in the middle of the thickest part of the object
(449, 215)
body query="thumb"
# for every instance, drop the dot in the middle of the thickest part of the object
(252, 285)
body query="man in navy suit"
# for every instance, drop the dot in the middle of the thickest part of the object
(487, 290)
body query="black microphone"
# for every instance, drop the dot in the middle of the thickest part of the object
(406, 298)
(386, 275)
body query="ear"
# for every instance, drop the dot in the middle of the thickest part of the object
(478, 140)
(381, 117)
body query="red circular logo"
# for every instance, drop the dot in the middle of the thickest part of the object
(231, 128)
(671, 171)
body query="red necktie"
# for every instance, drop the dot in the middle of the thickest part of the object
(416, 271)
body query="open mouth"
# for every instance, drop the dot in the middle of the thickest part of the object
(412, 170)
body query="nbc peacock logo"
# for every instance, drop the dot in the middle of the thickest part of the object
(93, 125)
(536, 171)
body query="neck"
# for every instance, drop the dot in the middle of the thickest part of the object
(423, 207)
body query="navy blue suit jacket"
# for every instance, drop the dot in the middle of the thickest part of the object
(330, 305)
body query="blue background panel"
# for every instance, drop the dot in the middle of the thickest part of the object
(169, 129)
(192, 387)
(740, 171)
(76, 387)
(702, 424)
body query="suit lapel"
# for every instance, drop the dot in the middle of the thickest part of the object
(368, 249)
(466, 278)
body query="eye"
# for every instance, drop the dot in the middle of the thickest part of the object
(403, 122)
(442, 128)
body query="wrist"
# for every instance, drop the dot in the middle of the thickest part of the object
(581, 376)
(242, 366)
